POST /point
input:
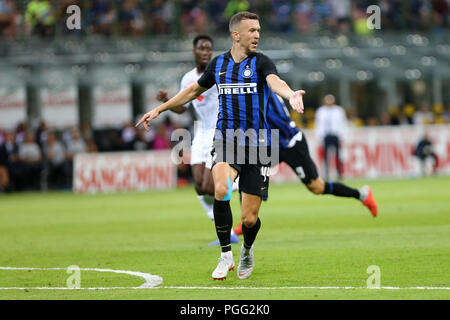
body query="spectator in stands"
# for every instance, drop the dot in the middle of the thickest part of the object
(280, 17)
(408, 112)
(235, 6)
(101, 17)
(57, 164)
(216, 10)
(41, 134)
(193, 18)
(303, 15)
(423, 116)
(20, 133)
(161, 15)
(29, 163)
(9, 19)
(392, 12)
(2, 136)
(4, 168)
(440, 15)
(446, 114)
(9, 150)
(40, 18)
(141, 142)
(131, 18)
(76, 144)
(359, 16)
(417, 14)
(395, 115)
(340, 13)
(385, 119)
(322, 15)
(128, 136)
(161, 139)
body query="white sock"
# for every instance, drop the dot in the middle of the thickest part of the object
(227, 255)
(363, 193)
(207, 205)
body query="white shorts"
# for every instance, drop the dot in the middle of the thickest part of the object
(201, 148)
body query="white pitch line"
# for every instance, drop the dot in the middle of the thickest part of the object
(150, 279)
(153, 282)
(317, 288)
(227, 288)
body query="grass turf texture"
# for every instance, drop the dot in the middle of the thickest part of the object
(305, 240)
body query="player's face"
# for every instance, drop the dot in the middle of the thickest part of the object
(249, 34)
(203, 53)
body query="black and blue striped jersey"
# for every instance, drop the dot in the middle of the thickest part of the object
(278, 118)
(243, 94)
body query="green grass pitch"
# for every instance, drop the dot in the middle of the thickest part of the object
(305, 241)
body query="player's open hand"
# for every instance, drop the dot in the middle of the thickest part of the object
(296, 101)
(146, 118)
(162, 96)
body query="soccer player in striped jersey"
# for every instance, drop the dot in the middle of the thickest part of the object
(206, 107)
(294, 151)
(243, 78)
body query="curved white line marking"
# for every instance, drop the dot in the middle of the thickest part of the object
(151, 280)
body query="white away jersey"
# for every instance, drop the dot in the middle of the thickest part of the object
(206, 106)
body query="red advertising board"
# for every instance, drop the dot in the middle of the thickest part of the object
(379, 152)
(124, 171)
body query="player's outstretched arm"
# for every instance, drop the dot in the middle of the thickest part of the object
(182, 97)
(281, 88)
(163, 96)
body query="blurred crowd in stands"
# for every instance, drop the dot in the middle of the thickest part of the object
(43, 158)
(138, 17)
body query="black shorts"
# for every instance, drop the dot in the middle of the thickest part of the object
(299, 159)
(253, 178)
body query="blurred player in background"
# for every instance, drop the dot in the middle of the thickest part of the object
(295, 152)
(425, 153)
(206, 107)
(331, 124)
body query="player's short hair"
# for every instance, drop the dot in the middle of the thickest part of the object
(238, 17)
(202, 37)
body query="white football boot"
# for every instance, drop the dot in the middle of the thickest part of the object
(226, 263)
(246, 263)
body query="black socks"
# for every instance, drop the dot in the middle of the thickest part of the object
(340, 190)
(223, 219)
(250, 234)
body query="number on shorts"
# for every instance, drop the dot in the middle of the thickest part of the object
(300, 172)
(265, 171)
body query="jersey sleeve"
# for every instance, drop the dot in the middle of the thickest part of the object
(208, 79)
(265, 66)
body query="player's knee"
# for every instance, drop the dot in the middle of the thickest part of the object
(316, 186)
(249, 220)
(221, 191)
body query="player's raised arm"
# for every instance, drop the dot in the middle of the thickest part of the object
(281, 88)
(182, 97)
(162, 96)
